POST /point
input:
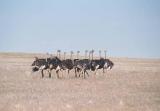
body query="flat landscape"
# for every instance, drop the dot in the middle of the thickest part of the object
(132, 85)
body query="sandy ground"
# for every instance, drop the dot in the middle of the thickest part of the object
(132, 85)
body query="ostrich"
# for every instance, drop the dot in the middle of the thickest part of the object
(71, 54)
(86, 51)
(99, 53)
(105, 52)
(59, 54)
(64, 55)
(92, 51)
(78, 54)
(90, 55)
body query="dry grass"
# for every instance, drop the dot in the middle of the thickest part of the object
(132, 85)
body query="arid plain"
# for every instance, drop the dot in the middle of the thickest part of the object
(132, 85)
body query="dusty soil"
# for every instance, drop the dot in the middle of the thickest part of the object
(132, 85)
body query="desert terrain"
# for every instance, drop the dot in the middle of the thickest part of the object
(132, 85)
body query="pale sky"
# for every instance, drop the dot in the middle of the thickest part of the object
(126, 28)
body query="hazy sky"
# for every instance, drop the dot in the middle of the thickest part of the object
(127, 28)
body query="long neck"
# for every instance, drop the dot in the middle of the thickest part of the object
(77, 55)
(71, 56)
(64, 56)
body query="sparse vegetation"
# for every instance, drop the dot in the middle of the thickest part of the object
(132, 85)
